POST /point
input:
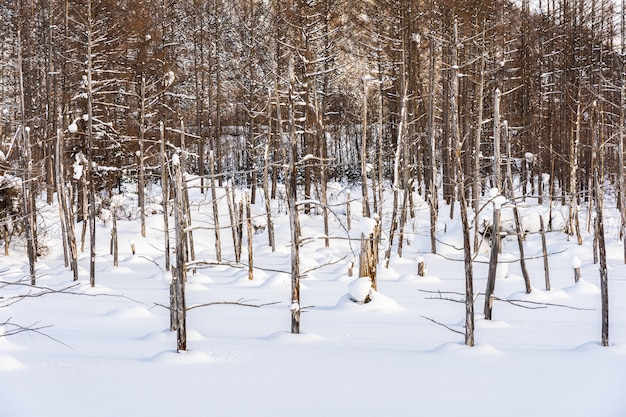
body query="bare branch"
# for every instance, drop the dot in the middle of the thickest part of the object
(441, 324)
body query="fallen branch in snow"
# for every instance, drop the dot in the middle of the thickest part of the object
(507, 261)
(208, 264)
(438, 292)
(10, 300)
(17, 329)
(539, 304)
(153, 261)
(517, 303)
(441, 324)
(240, 302)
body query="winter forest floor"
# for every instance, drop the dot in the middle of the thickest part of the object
(107, 350)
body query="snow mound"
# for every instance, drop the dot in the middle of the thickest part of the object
(162, 336)
(130, 313)
(535, 296)
(277, 280)
(194, 336)
(196, 286)
(9, 363)
(184, 357)
(379, 303)
(360, 289)
(582, 287)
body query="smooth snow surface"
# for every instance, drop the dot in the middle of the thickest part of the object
(109, 352)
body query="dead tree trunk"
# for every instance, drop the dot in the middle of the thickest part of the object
(497, 176)
(476, 182)
(165, 192)
(141, 176)
(114, 243)
(621, 162)
(177, 303)
(518, 226)
(190, 248)
(294, 219)
(234, 222)
(396, 176)
(266, 196)
(460, 183)
(368, 258)
(65, 208)
(216, 218)
(250, 236)
(28, 206)
(546, 269)
(604, 291)
(493, 261)
(573, 223)
(364, 188)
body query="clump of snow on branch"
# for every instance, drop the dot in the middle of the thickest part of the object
(175, 160)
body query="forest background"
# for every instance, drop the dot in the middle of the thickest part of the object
(405, 95)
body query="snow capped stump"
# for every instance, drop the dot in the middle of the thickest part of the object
(360, 290)
(576, 264)
(421, 266)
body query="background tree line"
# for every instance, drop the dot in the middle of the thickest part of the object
(404, 94)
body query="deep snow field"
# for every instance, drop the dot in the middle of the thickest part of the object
(108, 350)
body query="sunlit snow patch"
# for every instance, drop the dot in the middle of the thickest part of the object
(9, 363)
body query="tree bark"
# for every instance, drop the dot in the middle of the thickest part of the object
(165, 192)
(216, 221)
(180, 277)
(294, 219)
(493, 262)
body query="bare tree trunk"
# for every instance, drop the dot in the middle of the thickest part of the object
(396, 176)
(433, 194)
(165, 191)
(493, 262)
(234, 222)
(621, 150)
(518, 226)
(604, 281)
(114, 243)
(66, 206)
(497, 176)
(178, 281)
(573, 220)
(460, 182)
(546, 269)
(622, 124)
(368, 257)
(28, 206)
(250, 236)
(480, 87)
(364, 188)
(141, 182)
(190, 248)
(294, 219)
(216, 221)
(89, 148)
(266, 188)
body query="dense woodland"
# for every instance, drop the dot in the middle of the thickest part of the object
(447, 99)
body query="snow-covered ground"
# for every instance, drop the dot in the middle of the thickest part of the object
(109, 352)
